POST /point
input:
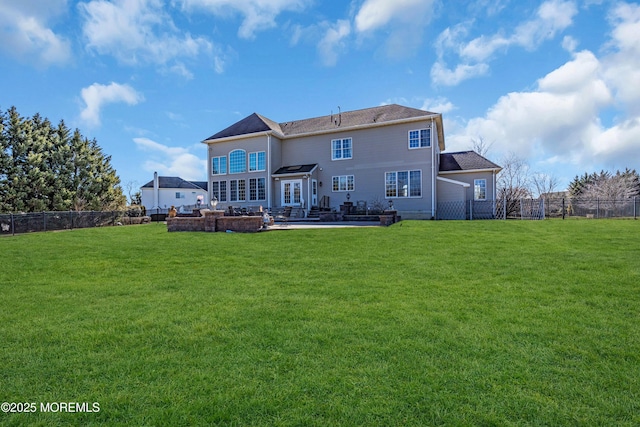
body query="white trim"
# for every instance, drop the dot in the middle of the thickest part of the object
(485, 189)
(451, 181)
(334, 159)
(429, 128)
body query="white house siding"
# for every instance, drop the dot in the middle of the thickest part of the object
(376, 150)
(167, 197)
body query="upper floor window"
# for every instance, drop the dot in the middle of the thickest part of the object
(420, 138)
(341, 149)
(180, 195)
(480, 189)
(237, 161)
(219, 165)
(257, 161)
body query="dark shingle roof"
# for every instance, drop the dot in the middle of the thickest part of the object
(464, 161)
(295, 169)
(368, 116)
(177, 182)
(250, 124)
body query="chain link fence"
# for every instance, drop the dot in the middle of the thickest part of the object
(535, 209)
(18, 223)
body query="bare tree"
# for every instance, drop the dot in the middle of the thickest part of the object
(131, 186)
(544, 183)
(480, 146)
(514, 183)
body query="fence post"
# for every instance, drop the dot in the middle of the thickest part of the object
(71, 218)
(597, 208)
(635, 209)
(521, 212)
(470, 209)
(44, 220)
(504, 208)
(13, 225)
(563, 208)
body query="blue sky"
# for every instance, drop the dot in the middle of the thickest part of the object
(555, 82)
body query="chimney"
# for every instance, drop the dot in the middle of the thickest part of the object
(156, 190)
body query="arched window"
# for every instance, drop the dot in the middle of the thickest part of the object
(237, 161)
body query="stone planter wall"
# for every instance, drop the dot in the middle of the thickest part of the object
(216, 221)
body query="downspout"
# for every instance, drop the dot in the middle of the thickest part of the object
(269, 171)
(433, 175)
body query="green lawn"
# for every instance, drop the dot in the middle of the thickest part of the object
(421, 323)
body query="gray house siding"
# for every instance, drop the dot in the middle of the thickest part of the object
(251, 144)
(375, 151)
(298, 156)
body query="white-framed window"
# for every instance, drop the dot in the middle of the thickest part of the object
(401, 184)
(257, 189)
(180, 195)
(480, 189)
(343, 183)
(420, 138)
(237, 190)
(219, 190)
(257, 161)
(341, 149)
(219, 165)
(237, 161)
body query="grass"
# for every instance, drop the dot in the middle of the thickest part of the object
(421, 323)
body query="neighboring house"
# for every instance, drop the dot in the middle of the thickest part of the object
(165, 191)
(388, 155)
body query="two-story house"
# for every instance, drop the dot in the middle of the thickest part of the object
(390, 155)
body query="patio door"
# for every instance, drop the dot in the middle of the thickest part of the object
(291, 192)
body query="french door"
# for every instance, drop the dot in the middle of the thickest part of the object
(291, 192)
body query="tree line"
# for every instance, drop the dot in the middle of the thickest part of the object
(51, 168)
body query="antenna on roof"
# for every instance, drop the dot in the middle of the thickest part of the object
(339, 116)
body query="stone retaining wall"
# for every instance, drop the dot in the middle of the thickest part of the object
(216, 221)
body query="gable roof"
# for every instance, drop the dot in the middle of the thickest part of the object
(177, 182)
(251, 124)
(256, 123)
(465, 161)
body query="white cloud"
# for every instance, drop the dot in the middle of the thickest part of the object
(139, 31)
(623, 65)
(561, 121)
(333, 42)
(440, 74)
(259, 15)
(172, 161)
(552, 17)
(375, 14)
(403, 20)
(98, 95)
(27, 36)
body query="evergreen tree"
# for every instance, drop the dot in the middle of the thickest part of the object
(43, 167)
(5, 161)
